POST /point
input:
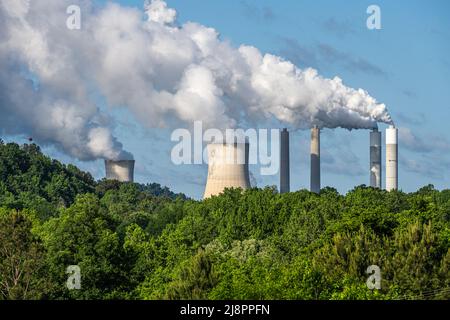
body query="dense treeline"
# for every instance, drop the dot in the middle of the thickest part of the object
(136, 241)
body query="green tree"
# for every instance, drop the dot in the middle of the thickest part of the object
(84, 235)
(22, 258)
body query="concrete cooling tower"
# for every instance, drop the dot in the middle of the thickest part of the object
(227, 167)
(121, 170)
(375, 159)
(391, 158)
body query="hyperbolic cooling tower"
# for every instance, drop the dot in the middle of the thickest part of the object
(315, 159)
(121, 170)
(227, 167)
(375, 159)
(284, 162)
(391, 158)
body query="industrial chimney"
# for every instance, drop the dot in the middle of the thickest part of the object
(315, 159)
(375, 158)
(391, 158)
(284, 162)
(121, 170)
(227, 167)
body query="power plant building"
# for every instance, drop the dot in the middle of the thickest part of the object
(228, 164)
(121, 170)
(227, 167)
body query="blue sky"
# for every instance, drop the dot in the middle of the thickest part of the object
(404, 65)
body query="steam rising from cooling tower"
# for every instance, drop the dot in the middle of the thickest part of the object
(121, 170)
(227, 167)
(164, 73)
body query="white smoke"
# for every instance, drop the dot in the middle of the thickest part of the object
(157, 11)
(164, 73)
(44, 91)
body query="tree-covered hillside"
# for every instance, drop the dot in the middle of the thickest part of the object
(135, 241)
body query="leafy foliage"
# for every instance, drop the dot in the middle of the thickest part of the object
(135, 241)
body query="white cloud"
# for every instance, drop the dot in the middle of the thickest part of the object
(165, 74)
(158, 11)
(411, 141)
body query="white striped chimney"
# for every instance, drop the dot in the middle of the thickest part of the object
(391, 158)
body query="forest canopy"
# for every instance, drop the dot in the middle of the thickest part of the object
(135, 241)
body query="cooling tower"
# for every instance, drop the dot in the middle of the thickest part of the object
(391, 158)
(315, 159)
(121, 170)
(375, 159)
(227, 167)
(284, 162)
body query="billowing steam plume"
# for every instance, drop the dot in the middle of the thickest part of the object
(164, 73)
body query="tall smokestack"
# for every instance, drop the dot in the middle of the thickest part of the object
(375, 158)
(284, 162)
(315, 159)
(121, 170)
(391, 158)
(227, 167)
